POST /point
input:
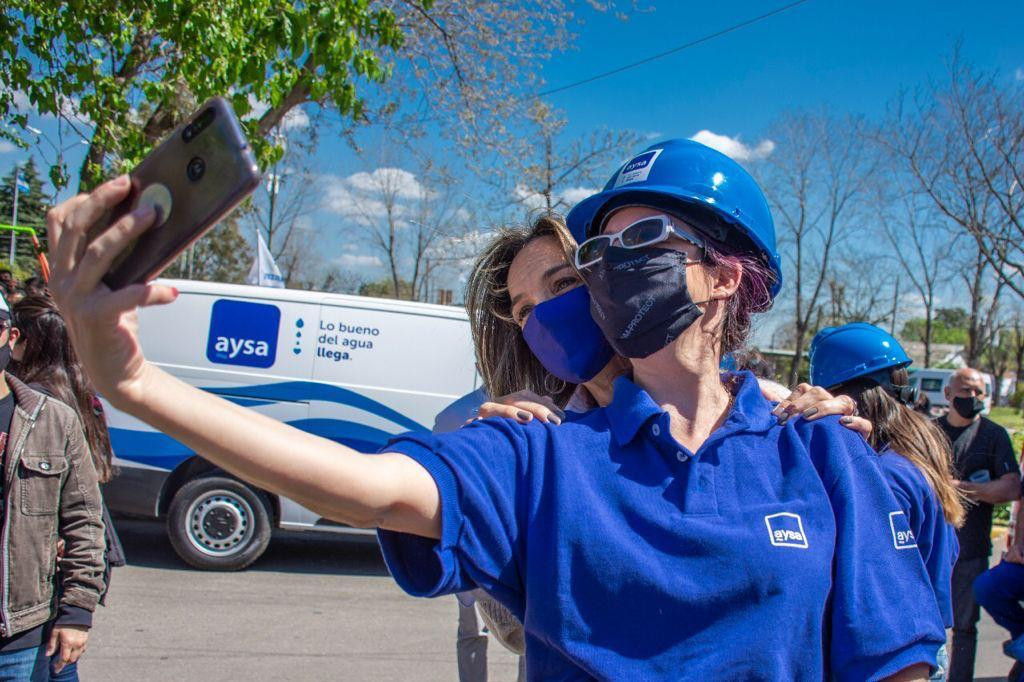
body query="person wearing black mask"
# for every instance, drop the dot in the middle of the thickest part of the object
(987, 474)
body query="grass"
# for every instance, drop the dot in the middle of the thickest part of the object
(1008, 417)
(1012, 420)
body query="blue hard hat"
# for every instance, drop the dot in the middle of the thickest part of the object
(704, 185)
(858, 349)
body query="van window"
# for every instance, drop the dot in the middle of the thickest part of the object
(931, 385)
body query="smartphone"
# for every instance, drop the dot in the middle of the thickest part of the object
(193, 179)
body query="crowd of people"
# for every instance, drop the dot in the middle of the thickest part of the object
(623, 498)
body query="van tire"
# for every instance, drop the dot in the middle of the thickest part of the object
(217, 523)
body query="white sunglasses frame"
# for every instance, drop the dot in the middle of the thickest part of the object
(668, 229)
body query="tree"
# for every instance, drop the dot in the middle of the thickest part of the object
(385, 288)
(545, 171)
(983, 315)
(401, 216)
(813, 180)
(124, 74)
(32, 207)
(223, 255)
(963, 143)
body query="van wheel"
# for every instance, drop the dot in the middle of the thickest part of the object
(218, 523)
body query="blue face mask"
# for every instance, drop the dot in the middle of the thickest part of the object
(565, 338)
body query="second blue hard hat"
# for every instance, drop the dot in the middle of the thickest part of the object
(854, 350)
(692, 179)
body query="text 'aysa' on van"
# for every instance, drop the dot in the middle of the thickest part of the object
(352, 369)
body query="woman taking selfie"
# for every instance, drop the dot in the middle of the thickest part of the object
(679, 528)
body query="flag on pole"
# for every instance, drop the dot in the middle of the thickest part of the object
(22, 185)
(264, 272)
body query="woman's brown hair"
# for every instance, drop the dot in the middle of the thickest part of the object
(911, 435)
(505, 361)
(49, 360)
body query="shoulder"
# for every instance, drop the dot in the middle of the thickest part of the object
(993, 429)
(903, 474)
(834, 449)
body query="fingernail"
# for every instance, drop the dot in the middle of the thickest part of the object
(524, 416)
(810, 412)
(846, 420)
(561, 414)
(553, 419)
(121, 181)
(783, 418)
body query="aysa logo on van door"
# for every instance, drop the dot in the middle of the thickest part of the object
(243, 333)
(786, 530)
(902, 535)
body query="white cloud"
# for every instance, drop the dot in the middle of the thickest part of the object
(653, 135)
(358, 260)
(565, 199)
(395, 182)
(732, 146)
(21, 101)
(364, 196)
(575, 195)
(6, 147)
(295, 119)
(1019, 74)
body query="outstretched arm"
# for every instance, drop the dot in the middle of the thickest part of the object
(390, 491)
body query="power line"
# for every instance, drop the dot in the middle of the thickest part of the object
(679, 48)
(660, 55)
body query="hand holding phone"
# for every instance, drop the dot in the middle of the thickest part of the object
(192, 180)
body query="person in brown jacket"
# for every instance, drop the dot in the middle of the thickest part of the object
(50, 492)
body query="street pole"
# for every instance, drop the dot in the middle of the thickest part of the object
(14, 217)
(273, 200)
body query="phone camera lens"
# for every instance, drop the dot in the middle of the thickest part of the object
(196, 168)
(188, 133)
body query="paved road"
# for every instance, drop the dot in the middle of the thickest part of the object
(313, 608)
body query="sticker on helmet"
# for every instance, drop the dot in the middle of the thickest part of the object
(638, 168)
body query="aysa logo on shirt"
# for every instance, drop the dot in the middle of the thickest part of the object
(243, 333)
(902, 536)
(786, 530)
(638, 168)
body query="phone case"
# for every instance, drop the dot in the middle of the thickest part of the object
(194, 178)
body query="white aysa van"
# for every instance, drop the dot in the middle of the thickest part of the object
(352, 369)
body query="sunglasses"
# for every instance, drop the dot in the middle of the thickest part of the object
(643, 232)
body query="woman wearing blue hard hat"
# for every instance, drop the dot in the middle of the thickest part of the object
(867, 364)
(678, 531)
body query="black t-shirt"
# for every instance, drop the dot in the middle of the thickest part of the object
(990, 451)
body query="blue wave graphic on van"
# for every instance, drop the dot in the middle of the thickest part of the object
(157, 449)
(304, 391)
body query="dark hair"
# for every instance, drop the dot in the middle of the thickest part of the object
(911, 435)
(505, 361)
(754, 294)
(49, 359)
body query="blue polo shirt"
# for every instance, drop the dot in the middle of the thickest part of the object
(766, 554)
(933, 537)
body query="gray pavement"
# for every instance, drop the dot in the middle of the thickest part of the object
(313, 608)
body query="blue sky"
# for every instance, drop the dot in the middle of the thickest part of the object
(842, 56)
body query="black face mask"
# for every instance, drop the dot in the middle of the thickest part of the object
(5, 356)
(968, 407)
(639, 298)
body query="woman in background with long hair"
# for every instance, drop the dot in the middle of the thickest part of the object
(44, 359)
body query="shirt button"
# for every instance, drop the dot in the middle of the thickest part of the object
(682, 456)
(656, 430)
(45, 466)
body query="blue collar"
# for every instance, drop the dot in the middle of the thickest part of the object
(632, 407)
